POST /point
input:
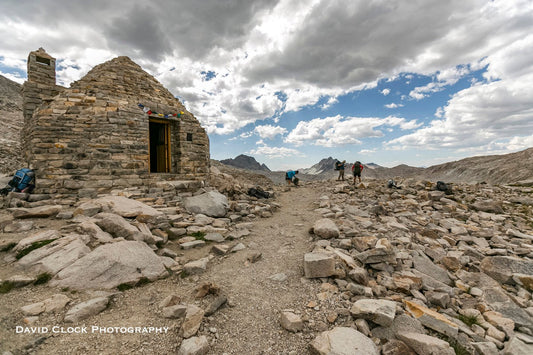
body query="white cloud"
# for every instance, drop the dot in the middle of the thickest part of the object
(443, 78)
(275, 152)
(486, 115)
(269, 131)
(385, 92)
(331, 101)
(393, 105)
(338, 130)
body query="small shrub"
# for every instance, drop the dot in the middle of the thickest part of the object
(6, 286)
(32, 247)
(468, 320)
(42, 278)
(124, 287)
(8, 247)
(142, 281)
(198, 235)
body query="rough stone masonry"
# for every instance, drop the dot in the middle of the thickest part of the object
(116, 127)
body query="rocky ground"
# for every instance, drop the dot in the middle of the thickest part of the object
(325, 268)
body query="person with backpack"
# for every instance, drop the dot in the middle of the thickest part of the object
(357, 169)
(340, 167)
(290, 176)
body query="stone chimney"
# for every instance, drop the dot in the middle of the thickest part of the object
(41, 68)
(40, 86)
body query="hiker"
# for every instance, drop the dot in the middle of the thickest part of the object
(340, 167)
(357, 169)
(290, 176)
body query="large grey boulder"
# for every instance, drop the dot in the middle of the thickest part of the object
(212, 203)
(110, 265)
(342, 341)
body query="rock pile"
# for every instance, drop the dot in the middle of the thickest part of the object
(418, 271)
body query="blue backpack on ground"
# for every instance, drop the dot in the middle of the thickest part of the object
(23, 181)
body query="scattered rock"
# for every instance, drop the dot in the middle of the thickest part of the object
(342, 340)
(194, 346)
(86, 309)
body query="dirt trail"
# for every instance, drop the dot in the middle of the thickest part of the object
(251, 325)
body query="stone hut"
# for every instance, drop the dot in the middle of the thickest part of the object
(117, 127)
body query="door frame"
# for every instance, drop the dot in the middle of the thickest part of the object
(167, 154)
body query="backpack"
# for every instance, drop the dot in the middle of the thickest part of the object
(23, 179)
(337, 165)
(356, 168)
(442, 186)
(258, 192)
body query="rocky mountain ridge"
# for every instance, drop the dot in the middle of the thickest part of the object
(245, 162)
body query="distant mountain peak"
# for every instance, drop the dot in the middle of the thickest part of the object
(243, 161)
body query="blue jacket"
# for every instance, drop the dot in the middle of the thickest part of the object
(290, 174)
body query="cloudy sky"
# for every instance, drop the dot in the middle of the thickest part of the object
(290, 82)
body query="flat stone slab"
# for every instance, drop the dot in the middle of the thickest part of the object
(37, 237)
(36, 212)
(56, 256)
(193, 244)
(125, 207)
(432, 319)
(124, 262)
(86, 309)
(425, 344)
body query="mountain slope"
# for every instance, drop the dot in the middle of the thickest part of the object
(494, 169)
(11, 121)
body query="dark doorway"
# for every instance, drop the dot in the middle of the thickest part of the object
(159, 147)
